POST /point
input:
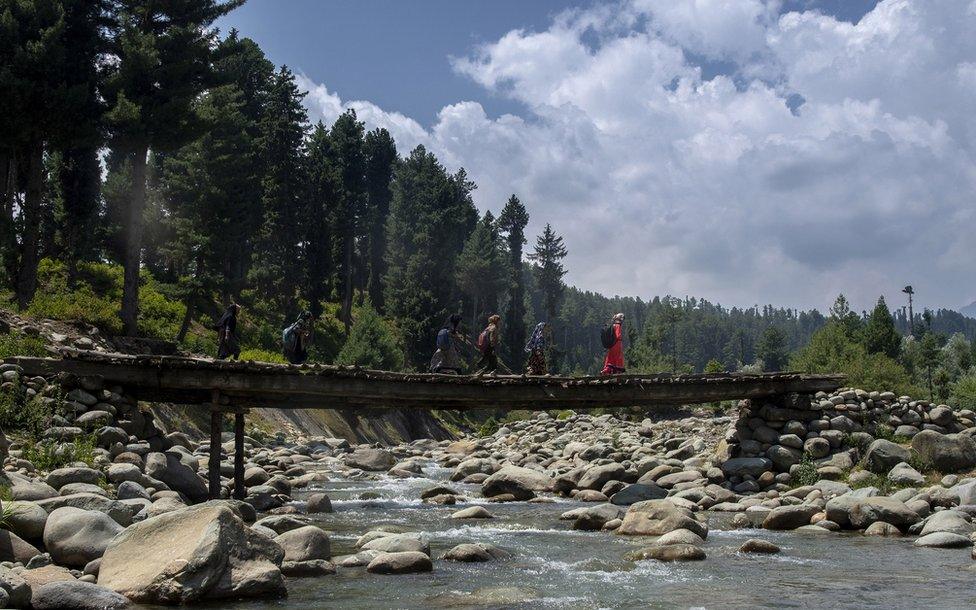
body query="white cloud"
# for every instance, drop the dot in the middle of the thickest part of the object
(664, 182)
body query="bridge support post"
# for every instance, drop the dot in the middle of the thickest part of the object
(214, 465)
(239, 488)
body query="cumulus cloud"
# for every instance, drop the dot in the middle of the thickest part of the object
(663, 181)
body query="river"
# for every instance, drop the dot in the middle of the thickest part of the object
(557, 567)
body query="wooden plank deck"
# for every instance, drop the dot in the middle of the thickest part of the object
(256, 384)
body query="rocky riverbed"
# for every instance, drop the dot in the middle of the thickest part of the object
(863, 495)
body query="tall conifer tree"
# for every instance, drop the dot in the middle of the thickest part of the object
(381, 158)
(512, 223)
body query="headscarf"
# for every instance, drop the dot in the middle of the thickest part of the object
(538, 339)
(618, 318)
(494, 319)
(229, 314)
(453, 322)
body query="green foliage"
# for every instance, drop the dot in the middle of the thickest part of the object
(549, 270)
(20, 414)
(919, 463)
(512, 222)
(19, 344)
(372, 342)
(262, 355)
(833, 350)
(480, 273)
(714, 366)
(771, 349)
(964, 391)
(49, 454)
(489, 427)
(5, 495)
(805, 473)
(879, 333)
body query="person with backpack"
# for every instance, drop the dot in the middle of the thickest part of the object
(447, 358)
(296, 339)
(536, 348)
(612, 338)
(488, 345)
(229, 346)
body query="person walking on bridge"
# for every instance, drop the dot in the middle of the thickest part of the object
(488, 345)
(229, 345)
(447, 358)
(613, 340)
(297, 338)
(536, 348)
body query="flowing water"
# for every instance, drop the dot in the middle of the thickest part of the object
(557, 567)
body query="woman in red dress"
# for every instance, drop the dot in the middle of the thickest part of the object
(613, 364)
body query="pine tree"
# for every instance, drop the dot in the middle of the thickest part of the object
(381, 158)
(880, 335)
(479, 269)
(164, 52)
(771, 349)
(549, 271)
(348, 160)
(371, 344)
(323, 185)
(431, 213)
(276, 270)
(512, 223)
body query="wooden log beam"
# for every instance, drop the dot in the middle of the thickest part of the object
(239, 488)
(213, 470)
(188, 381)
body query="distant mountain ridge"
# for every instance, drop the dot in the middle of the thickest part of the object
(969, 310)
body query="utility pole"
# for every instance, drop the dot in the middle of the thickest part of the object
(911, 316)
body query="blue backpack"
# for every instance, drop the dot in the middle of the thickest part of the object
(443, 339)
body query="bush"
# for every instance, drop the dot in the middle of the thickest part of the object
(18, 414)
(262, 355)
(49, 455)
(372, 343)
(964, 391)
(19, 344)
(805, 472)
(488, 428)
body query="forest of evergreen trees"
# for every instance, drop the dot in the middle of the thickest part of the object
(153, 170)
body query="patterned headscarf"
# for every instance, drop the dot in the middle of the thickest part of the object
(538, 339)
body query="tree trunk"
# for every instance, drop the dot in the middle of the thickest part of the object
(8, 237)
(31, 214)
(347, 292)
(133, 243)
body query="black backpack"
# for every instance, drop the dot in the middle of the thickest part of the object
(608, 337)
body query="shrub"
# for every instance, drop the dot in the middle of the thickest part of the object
(49, 454)
(19, 344)
(18, 414)
(964, 391)
(372, 343)
(262, 355)
(488, 428)
(805, 473)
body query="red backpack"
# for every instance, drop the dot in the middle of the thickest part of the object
(483, 341)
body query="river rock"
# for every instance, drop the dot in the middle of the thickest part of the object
(904, 474)
(17, 589)
(26, 519)
(789, 517)
(74, 536)
(78, 595)
(866, 511)
(477, 552)
(472, 512)
(592, 518)
(883, 455)
(472, 466)
(520, 482)
(668, 553)
(168, 468)
(40, 576)
(680, 537)
(596, 477)
(658, 517)
(752, 466)
(60, 477)
(119, 511)
(638, 492)
(319, 503)
(944, 540)
(880, 528)
(404, 562)
(952, 521)
(755, 545)
(200, 552)
(370, 459)
(397, 543)
(14, 548)
(946, 453)
(305, 543)
(23, 488)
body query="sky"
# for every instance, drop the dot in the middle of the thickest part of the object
(743, 151)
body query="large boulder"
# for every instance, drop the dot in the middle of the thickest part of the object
(789, 517)
(305, 543)
(398, 543)
(591, 518)
(18, 590)
(953, 521)
(668, 553)
(638, 492)
(658, 517)
(597, 476)
(77, 595)
(405, 562)
(752, 466)
(74, 536)
(23, 488)
(883, 455)
(14, 548)
(520, 482)
(370, 458)
(168, 468)
(26, 519)
(60, 477)
(866, 511)
(475, 552)
(945, 452)
(121, 512)
(200, 552)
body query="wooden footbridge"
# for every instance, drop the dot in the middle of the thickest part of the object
(234, 387)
